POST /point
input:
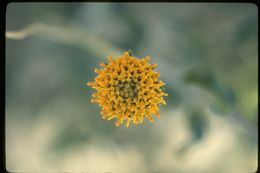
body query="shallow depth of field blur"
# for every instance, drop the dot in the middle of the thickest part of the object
(206, 54)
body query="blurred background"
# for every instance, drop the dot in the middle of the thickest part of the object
(206, 54)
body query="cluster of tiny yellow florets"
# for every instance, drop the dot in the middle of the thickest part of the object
(128, 89)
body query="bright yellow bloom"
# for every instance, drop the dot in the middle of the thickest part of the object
(128, 89)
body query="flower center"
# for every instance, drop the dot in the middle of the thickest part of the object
(127, 89)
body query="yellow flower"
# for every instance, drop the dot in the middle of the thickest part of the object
(128, 89)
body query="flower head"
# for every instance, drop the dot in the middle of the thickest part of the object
(128, 89)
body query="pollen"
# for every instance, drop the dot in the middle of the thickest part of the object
(128, 88)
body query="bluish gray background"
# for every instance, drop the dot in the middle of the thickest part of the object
(206, 54)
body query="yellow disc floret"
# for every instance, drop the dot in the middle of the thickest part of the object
(128, 89)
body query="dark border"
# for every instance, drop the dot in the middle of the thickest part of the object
(3, 7)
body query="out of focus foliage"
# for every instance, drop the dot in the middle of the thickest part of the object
(206, 54)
